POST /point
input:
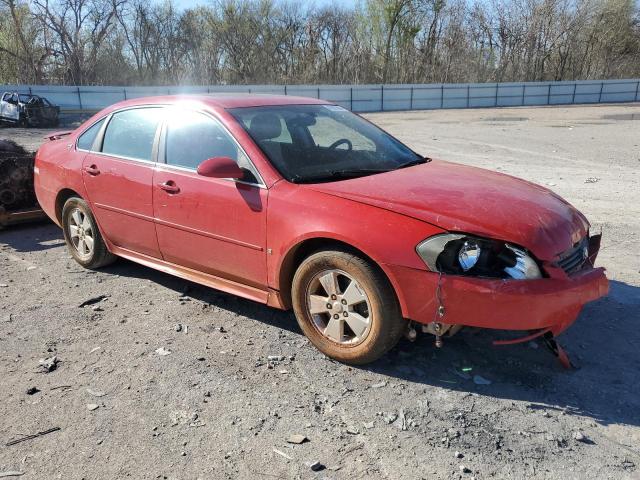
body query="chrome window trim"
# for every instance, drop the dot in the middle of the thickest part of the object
(163, 152)
(108, 117)
(122, 157)
(159, 141)
(154, 149)
(165, 166)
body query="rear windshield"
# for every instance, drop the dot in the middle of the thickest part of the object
(316, 143)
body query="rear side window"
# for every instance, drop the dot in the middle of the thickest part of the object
(131, 133)
(193, 138)
(85, 141)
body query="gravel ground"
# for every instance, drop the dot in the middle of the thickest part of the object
(240, 379)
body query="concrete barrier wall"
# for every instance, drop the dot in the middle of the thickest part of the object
(368, 98)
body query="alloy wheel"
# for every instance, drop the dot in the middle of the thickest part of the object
(81, 233)
(339, 307)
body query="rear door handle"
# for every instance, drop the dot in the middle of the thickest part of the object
(92, 170)
(169, 186)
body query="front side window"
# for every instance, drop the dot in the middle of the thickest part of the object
(194, 137)
(85, 141)
(319, 143)
(131, 133)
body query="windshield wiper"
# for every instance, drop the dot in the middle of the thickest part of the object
(342, 173)
(411, 163)
(354, 172)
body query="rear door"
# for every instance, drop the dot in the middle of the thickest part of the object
(118, 174)
(213, 225)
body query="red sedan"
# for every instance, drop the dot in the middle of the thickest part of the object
(298, 203)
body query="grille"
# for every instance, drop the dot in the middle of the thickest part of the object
(574, 259)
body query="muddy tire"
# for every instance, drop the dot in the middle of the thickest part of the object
(346, 306)
(82, 235)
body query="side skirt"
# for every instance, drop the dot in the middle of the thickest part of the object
(229, 286)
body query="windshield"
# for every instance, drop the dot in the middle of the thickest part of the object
(316, 143)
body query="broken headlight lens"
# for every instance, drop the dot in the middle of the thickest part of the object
(469, 254)
(460, 254)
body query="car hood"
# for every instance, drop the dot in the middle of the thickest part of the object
(472, 200)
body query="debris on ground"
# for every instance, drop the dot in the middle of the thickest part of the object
(92, 406)
(11, 474)
(32, 391)
(95, 393)
(49, 364)
(92, 300)
(316, 466)
(391, 417)
(163, 351)
(580, 437)
(31, 437)
(297, 439)
(282, 454)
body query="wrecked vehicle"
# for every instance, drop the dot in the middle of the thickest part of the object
(298, 203)
(26, 110)
(17, 197)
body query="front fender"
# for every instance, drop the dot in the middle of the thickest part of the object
(297, 215)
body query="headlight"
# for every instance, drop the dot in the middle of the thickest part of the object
(460, 254)
(469, 254)
(525, 267)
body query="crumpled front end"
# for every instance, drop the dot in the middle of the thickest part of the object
(548, 304)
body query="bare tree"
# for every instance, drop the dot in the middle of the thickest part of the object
(283, 41)
(75, 32)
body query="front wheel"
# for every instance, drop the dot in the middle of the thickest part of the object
(346, 307)
(82, 235)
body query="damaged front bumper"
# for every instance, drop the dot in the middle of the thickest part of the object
(547, 303)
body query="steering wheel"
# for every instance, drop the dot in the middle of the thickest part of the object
(339, 142)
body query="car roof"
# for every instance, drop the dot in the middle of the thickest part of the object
(226, 100)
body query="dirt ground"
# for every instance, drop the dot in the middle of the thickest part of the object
(218, 407)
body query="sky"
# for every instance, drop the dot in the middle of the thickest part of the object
(184, 4)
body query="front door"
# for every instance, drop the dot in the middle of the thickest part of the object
(216, 226)
(118, 177)
(9, 107)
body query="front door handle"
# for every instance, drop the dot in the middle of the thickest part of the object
(92, 170)
(169, 186)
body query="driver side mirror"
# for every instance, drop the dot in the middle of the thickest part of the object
(220, 167)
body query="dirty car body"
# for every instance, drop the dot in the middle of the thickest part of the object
(431, 242)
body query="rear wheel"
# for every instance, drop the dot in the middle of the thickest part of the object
(346, 307)
(82, 235)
